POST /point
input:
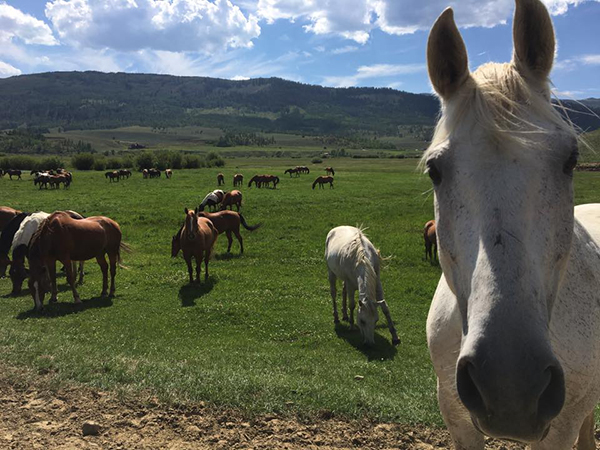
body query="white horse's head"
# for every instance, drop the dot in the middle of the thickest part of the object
(367, 318)
(501, 163)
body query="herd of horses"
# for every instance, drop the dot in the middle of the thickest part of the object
(513, 327)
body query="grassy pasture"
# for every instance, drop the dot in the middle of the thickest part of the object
(260, 334)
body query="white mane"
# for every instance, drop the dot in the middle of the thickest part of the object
(28, 227)
(357, 251)
(501, 101)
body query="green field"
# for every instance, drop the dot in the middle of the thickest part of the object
(259, 335)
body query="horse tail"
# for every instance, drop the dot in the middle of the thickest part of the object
(249, 227)
(127, 249)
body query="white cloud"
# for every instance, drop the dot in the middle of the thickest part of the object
(346, 49)
(355, 19)
(576, 62)
(14, 23)
(239, 78)
(374, 71)
(6, 70)
(174, 26)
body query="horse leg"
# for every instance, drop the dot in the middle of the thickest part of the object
(206, 259)
(239, 238)
(71, 279)
(101, 260)
(114, 259)
(344, 304)
(586, 439)
(352, 306)
(188, 261)
(80, 281)
(229, 240)
(198, 266)
(333, 292)
(435, 253)
(52, 274)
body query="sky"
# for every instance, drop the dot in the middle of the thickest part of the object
(337, 43)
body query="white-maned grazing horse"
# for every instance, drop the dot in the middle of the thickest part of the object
(352, 258)
(514, 326)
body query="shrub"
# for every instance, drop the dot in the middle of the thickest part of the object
(213, 159)
(127, 162)
(83, 161)
(316, 160)
(18, 162)
(99, 164)
(145, 160)
(176, 160)
(50, 163)
(113, 163)
(192, 162)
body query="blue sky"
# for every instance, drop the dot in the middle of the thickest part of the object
(328, 42)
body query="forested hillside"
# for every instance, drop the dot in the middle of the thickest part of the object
(92, 100)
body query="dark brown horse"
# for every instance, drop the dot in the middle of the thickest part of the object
(220, 179)
(294, 171)
(61, 238)
(113, 175)
(197, 239)
(13, 173)
(6, 215)
(229, 222)
(232, 198)
(6, 239)
(323, 180)
(429, 236)
(238, 179)
(330, 170)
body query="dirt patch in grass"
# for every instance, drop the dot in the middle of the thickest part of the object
(33, 414)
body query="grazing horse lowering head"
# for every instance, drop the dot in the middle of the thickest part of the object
(191, 224)
(501, 163)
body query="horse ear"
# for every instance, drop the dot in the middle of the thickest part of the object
(447, 60)
(186, 210)
(533, 36)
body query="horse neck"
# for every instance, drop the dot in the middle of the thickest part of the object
(365, 272)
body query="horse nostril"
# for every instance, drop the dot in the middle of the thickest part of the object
(552, 397)
(467, 387)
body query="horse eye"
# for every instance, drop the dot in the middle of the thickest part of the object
(571, 162)
(434, 173)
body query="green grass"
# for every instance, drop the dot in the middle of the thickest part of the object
(260, 334)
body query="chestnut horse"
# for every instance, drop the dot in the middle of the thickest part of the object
(6, 215)
(323, 180)
(430, 241)
(229, 222)
(232, 198)
(238, 179)
(197, 239)
(330, 170)
(61, 238)
(220, 179)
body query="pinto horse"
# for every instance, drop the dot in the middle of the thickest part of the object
(168, 173)
(229, 222)
(197, 239)
(212, 199)
(430, 241)
(329, 170)
(323, 180)
(6, 215)
(220, 179)
(62, 238)
(6, 239)
(232, 198)
(238, 179)
(513, 325)
(352, 257)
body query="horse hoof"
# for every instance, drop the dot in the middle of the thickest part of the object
(103, 294)
(336, 321)
(346, 319)
(111, 295)
(396, 341)
(53, 300)
(77, 301)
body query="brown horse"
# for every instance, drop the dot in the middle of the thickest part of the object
(330, 170)
(61, 238)
(430, 239)
(323, 180)
(197, 239)
(294, 171)
(13, 173)
(220, 179)
(6, 215)
(232, 198)
(238, 179)
(229, 222)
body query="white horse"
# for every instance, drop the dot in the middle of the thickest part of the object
(514, 326)
(352, 258)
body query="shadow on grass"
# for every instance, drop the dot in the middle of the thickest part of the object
(227, 256)
(190, 292)
(61, 309)
(383, 348)
(25, 291)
